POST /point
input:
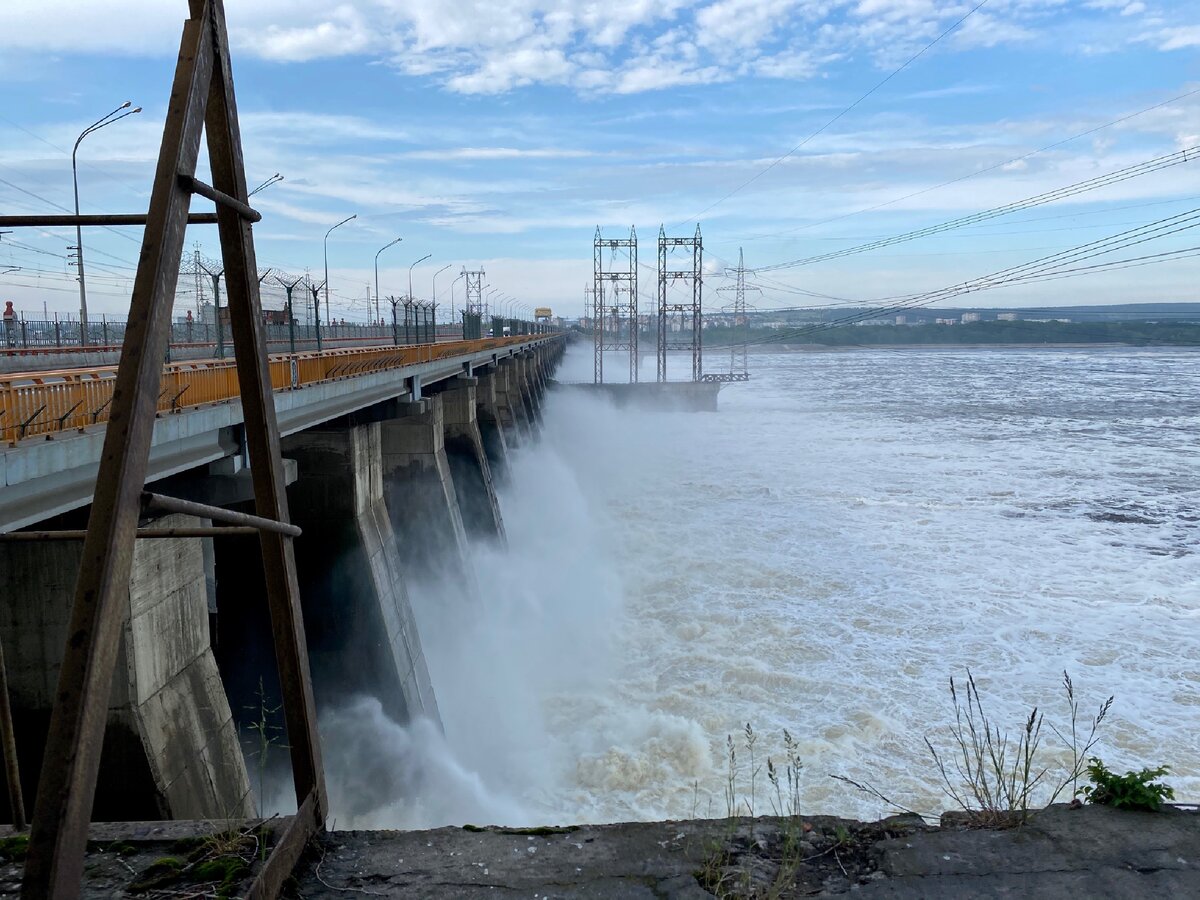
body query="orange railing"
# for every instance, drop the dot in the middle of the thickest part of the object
(44, 403)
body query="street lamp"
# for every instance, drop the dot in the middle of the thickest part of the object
(326, 282)
(381, 249)
(410, 268)
(435, 275)
(95, 126)
(460, 275)
(274, 179)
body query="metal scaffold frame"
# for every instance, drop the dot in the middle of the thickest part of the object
(623, 316)
(689, 313)
(202, 104)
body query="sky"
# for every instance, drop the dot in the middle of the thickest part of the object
(498, 134)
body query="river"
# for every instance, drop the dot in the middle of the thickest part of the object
(822, 555)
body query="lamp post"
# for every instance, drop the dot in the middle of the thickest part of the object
(410, 268)
(274, 179)
(435, 275)
(408, 306)
(454, 282)
(95, 126)
(381, 249)
(326, 281)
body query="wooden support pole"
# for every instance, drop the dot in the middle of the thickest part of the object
(58, 838)
(39, 537)
(262, 429)
(95, 220)
(151, 501)
(12, 771)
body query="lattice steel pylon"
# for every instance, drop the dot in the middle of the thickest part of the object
(623, 334)
(739, 369)
(474, 302)
(689, 313)
(201, 104)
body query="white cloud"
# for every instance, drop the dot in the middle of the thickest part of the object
(1179, 38)
(487, 47)
(494, 153)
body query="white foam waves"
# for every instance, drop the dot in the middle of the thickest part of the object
(848, 532)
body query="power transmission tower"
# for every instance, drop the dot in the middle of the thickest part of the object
(689, 313)
(624, 332)
(474, 282)
(739, 370)
(474, 309)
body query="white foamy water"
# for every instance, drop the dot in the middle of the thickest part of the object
(849, 531)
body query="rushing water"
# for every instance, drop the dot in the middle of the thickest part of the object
(849, 531)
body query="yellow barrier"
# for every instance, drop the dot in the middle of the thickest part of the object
(44, 403)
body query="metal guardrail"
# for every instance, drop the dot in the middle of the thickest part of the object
(47, 403)
(34, 336)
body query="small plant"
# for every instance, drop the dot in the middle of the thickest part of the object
(268, 734)
(1133, 790)
(994, 777)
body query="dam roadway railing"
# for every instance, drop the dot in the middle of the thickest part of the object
(50, 402)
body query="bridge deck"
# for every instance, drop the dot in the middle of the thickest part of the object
(53, 422)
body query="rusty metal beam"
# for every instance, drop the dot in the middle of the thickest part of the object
(101, 219)
(54, 864)
(262, 429)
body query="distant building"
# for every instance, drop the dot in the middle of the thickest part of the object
(945, 321)
(968, 318)
(901, 320)
(1006, 317)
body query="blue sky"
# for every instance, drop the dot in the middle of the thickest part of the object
(500, 134)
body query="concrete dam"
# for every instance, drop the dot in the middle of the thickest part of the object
(391, 457)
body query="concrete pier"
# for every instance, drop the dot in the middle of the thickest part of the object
(491, 429)
(362, 637)
(529, 392)
(468, 460)
(510, 401)
(418, 489)
(170, 746)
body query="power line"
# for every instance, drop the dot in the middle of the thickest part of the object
(984, 171)
(1143, 168)
(1045, 268)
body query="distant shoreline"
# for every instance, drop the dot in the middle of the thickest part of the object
(1034, 345)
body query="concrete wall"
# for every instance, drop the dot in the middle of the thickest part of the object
(420, 495)
(171, 749)
(362, 637)
(491, 429)
(469, 464)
